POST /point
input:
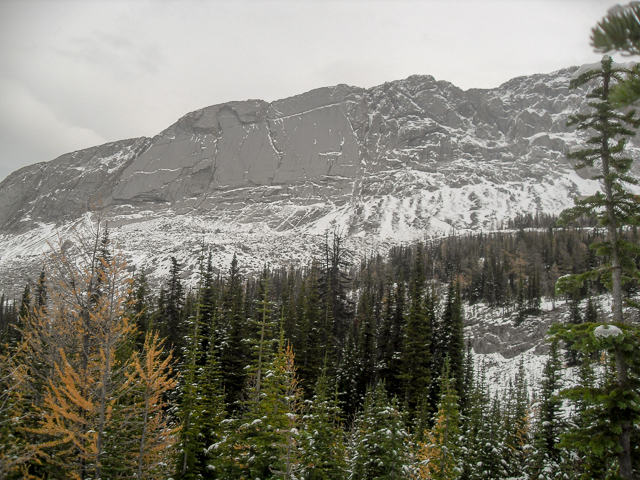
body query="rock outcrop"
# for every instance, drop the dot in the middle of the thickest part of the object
(66, 187)
(384, 165)
(399, 158)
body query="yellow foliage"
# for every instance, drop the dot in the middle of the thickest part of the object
(86, 384)
(435, 456)
(426, 455)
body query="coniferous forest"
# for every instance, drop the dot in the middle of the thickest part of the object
(335, 370)
(349, 368)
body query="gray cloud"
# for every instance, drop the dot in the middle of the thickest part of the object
(25, 121)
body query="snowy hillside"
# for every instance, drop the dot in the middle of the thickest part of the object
(387, 165)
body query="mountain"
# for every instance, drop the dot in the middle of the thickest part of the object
(384, 165)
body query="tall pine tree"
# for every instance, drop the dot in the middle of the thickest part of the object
(615, 207)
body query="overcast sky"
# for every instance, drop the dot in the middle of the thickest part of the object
(74, 74)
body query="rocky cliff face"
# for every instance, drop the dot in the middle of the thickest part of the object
(384, 165)
(65, 187)
(397, 159)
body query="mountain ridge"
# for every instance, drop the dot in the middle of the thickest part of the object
(384, 165)
(282, 166)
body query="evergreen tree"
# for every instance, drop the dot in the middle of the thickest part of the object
(367, 349)
(208, 305)
(9, 322)
(546, 458)
(312, 346)
(615, 207)
(391, 338)
(23, 312)
(491, 441)
(234, 352)
(473, 429)
(439, 455)
(289, 310)
(516, 425)
(591, 312)
(450, 338)
(333, 284)
(322, 448)
(572, 291)
(139, 308)
(40, 300)
(211, 404)
(468, 377)
(620, 31)
(604, 407)
(189, 406)
(349, 373)
(264, 335)
(201, 406)
(378, 447)
(483, 435)
(267, 436)
(416, 350)
(174, 328)
(534, 292)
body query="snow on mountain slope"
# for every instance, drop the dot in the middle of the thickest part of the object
(384, 165)
(387, 165)
(266, 181)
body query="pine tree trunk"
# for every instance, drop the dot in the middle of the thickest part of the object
(612, 227)
(626, 470)
(621, 365)
(616, 268)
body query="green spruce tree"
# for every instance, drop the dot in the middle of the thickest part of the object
(546, 460)
(416, 359)
(517, 424)
(231, 332)
(450, 338)
(604, 409)
(378, 447)
(439, 455)
(616, 208)
(322, 448)
(267, 436)
(391, 337)
(620, 31)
